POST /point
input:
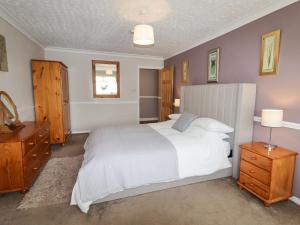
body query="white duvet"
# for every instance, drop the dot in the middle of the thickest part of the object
(199, 153)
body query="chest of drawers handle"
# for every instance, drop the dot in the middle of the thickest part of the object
(34, 155)
(31, 143)
(46, 142)
(253, 158)
(35, 168)
(46, 153)
(251, 171)
(40, 135)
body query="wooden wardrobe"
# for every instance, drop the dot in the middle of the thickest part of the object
(51, 97)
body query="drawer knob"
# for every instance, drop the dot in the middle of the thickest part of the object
(34, 155)
(35, 168)
(251, 184)
(253, 158)
(31, 143)
(40, 135)
(46, 142)
(46, 153)
(251, 171)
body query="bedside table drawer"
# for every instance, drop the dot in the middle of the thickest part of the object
(254, 185)
(256, 172)
(256, 159)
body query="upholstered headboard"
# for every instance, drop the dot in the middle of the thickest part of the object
(232, 104)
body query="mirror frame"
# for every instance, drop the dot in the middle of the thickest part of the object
(94, 62)
(16, 124)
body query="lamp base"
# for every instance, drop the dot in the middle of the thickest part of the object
(270, 147)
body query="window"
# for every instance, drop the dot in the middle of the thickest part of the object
(106, 79)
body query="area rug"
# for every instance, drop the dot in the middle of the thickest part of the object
(55, 183)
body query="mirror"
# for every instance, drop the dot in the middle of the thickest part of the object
(9, 118)
(106, 79)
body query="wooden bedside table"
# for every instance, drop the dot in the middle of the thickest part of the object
(267, 175)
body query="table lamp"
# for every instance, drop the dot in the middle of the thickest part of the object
(176, 102)
(271, 118)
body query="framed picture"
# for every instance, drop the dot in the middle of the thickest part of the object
(3, 55)
(269, 55)
(213, 65)
(185, 72)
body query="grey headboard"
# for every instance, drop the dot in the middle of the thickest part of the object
(232, 104)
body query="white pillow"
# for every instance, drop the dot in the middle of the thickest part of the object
(223, 136)
(197, 131)
(212, 125)
(174, 116)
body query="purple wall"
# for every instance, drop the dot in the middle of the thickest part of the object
(239, 62)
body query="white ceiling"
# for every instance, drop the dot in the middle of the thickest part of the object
(105, 25)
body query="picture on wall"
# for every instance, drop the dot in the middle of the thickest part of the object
(185, 71)
(213, 65)
(269, 53)
(3, 55)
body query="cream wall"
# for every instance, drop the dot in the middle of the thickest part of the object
(17, 81)
(87, 112)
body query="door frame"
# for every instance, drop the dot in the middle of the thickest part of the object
(138, 86)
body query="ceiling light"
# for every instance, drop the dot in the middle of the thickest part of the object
(143, 35)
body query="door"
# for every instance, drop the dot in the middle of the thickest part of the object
(166, 77)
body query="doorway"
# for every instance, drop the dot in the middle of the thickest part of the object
(149, 95)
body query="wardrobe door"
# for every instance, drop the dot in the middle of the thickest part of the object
(40, 81)
(55, 102)
(66, 101)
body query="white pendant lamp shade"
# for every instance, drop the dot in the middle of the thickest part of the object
(143, 35)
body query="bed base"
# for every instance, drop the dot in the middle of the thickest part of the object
(165, 185)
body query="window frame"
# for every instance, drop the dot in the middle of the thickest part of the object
(117, 63)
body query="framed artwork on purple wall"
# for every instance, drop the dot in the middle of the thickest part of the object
(213, 65)
(185, 72)
(269, 56)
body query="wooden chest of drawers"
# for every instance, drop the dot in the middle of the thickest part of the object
(267, 175)
(22, 156)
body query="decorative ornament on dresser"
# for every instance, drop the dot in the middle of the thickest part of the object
(185, 72)
(213, 65)
(9, 117)
(3, 55)
(269, 55)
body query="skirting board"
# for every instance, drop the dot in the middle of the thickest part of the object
(295, 200)
(80, 132)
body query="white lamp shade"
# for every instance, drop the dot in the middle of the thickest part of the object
(271, 117)
(176, 102)
(143, 35)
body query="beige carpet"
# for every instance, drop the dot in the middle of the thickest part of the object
(55, 183)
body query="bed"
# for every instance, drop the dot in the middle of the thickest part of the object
(122, 161)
